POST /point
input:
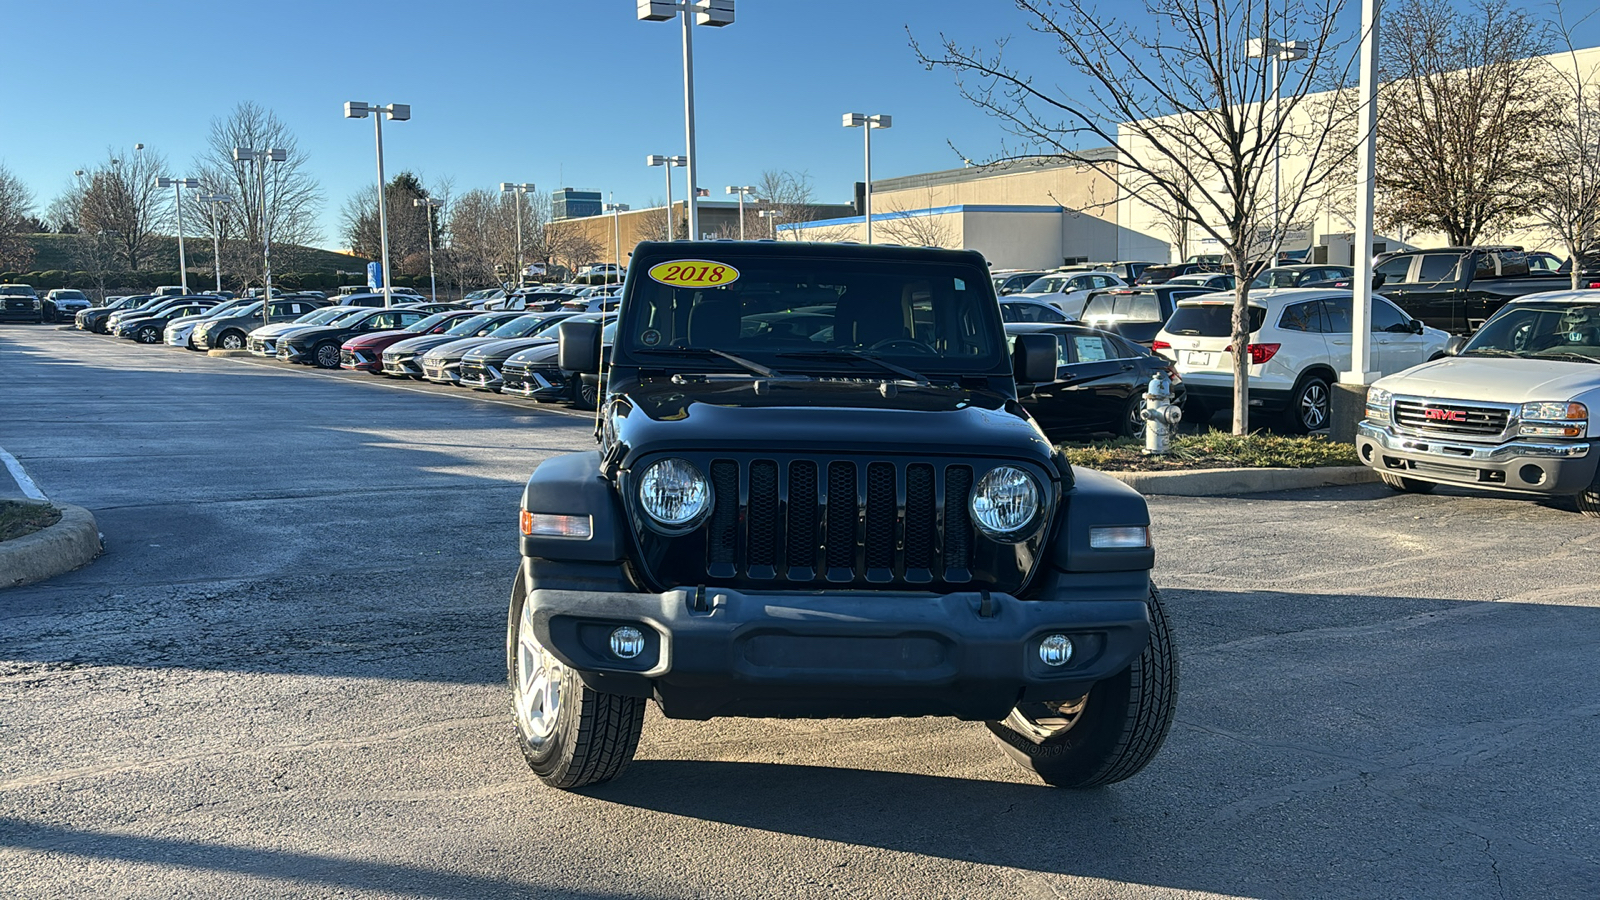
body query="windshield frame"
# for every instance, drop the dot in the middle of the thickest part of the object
(1486, 342)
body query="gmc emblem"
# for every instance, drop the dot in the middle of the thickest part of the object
(1445, 415)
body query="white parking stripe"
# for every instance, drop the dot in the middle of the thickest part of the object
(23, 481)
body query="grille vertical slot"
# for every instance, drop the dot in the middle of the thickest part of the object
(843, 511)
(882, 513)
(957, 524)
(801, 556)
(919, 532)
(762, 520)
(722, 538)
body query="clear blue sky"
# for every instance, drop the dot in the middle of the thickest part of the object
(571, 93)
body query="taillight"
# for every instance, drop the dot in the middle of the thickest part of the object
(1160, 345)
(1259, 353)
(1594, 284)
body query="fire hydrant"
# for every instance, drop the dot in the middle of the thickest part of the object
(1161, 416)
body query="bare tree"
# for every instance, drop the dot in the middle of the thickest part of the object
(481, 237)
(408, 223)
(292, 201)
(120, 203)
(1565, 202)
(1184, 91)
(1463, 106)
(905, 227)
(16, 214)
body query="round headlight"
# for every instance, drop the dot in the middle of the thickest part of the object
(1005, 502)
(674, 493)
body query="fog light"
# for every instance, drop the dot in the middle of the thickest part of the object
(1054, 650)
(627, 642)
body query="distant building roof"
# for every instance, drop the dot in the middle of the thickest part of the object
(991, 170)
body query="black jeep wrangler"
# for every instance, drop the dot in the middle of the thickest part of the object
(815, 495)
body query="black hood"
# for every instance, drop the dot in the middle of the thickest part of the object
(829, 415)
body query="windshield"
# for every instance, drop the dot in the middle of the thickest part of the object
(475, 326)
(930, 315)
(70, 295)
(320, 316)
(1559, 330)
(521, 326)
(16, 290)
(1049, 284)
(431, 322)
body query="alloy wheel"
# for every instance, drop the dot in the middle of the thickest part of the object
(537, 687)
(1314, 406)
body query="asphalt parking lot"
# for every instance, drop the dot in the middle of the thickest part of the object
(285, 678)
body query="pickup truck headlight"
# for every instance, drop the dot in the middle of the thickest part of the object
(1378, 401)
(674, 493)
(1005, 503)
(1553, 419)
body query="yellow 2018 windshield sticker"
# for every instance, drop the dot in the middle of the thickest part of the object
(694, 273)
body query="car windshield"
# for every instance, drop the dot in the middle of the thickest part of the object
(319, 316)
(1049, 284)
(521, 326)
(1569, 331)
(351, 315)
(476, 325)
(16, 290)
(1275, 278)
(423, 326)
(929, 316)
(70, 295)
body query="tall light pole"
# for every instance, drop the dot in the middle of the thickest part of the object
(431, 205)
(261, 158)
(772, 216)
(520, 190)
(741, 191)
(716, 13)
(216, 234)
(667, 162)
(616, 210)
(1279, 52)
(177, 185)
(399, 112)
(866, 123)
(1366, 153)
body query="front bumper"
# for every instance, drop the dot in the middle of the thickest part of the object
(536, 384)
(405, 366)
(481, 377)
(359, 360)
(290, 353)
(721, 652)
(1532, 467)
(260, 347)
(21, 315)
(446, 373)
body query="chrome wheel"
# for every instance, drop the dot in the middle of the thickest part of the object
(232, 341)
(1044, 721)
(537, 686)
(328, 356)
(1314, 405)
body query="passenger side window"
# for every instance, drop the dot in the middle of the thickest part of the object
(1437, 267)
(1336, 316)
(1092, 348)
(1305, 317)
(1387, 318)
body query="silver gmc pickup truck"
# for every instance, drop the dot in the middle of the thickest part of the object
(1508, 410)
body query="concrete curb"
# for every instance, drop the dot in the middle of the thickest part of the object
(229, 354)
(1225, 482)
(72, 542)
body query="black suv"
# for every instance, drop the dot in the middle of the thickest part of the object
(815, 495)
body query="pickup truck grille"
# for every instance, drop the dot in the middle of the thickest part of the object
(1445, 417)
(868, 523)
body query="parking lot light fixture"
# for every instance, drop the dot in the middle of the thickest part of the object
(212, 200)
(261, 158)
(430, 204)
(716, 13)
(616, 210)
(772, 216)
(519, 191)
(177, 185)
(1279, 52)
(399, 112)
(745, 191)
(667, 162)
(866, 123)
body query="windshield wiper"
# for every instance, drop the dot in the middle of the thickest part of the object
(1490, 351)
(749, 365)
(846, 353)
(1565, 354)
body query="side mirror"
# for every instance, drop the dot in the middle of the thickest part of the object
(580, 347)
(1378, 278)
(1416, 326)
(1454, 346)
(1034, 358)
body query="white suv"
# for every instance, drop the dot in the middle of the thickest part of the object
(1299, 342)
(1068, 291)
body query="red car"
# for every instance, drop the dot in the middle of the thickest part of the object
(365, 353)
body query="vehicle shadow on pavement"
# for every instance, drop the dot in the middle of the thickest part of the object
(327, 872)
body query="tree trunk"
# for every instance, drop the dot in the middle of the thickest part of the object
(1241, 349)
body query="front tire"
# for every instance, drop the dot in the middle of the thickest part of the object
(1110, 733)
(1589, 500)
(1132, 423)
(148, 335)
(570, 734)
(584, 393)
(326, 356)
(1407, 485)
(231, 340)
